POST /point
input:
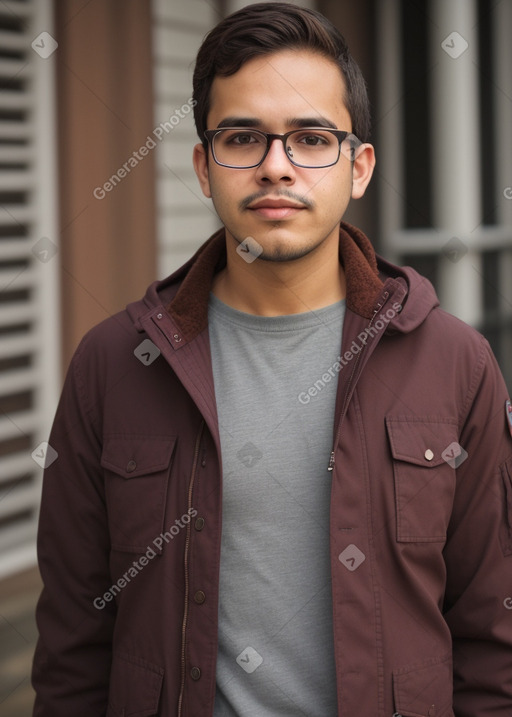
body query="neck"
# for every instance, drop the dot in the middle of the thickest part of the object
(272, 288)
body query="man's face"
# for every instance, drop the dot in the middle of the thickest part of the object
(278, 93)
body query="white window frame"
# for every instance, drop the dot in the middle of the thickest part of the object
(456, 189)
(41, 276)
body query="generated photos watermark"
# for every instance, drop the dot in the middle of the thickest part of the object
(455, 45)
(249, 660)
(249, 249)
(352, 557)
(163, 129)
(138, 566)
(147, 352)
(355, 348)
(454, 455)
(44, 455)
(44, 249)
(44, 44)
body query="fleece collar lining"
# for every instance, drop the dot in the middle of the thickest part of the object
(189, 307)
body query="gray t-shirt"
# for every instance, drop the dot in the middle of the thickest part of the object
(276, 654)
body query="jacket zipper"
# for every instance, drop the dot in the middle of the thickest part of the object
(185, 564)
(379, 306)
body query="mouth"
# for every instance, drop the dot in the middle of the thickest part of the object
(276, 208)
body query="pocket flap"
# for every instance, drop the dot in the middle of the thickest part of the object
(421, 441)
(133, 456)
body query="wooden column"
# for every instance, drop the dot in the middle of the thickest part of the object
(105, 113)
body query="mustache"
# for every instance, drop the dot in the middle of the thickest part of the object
(282, 193)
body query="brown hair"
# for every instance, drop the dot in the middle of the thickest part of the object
(268, 27)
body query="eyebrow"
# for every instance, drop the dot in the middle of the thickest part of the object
(291, 122)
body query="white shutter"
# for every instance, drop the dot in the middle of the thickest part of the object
(185, 218)
(29, 323)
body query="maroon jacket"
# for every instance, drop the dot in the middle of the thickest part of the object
(421, 539)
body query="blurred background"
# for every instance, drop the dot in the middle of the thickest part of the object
(98, 198)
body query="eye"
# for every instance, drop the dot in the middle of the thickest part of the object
(312, 139)
(242, 138)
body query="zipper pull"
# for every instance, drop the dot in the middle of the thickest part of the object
(396, 714)
(331, 462)
(379, 306)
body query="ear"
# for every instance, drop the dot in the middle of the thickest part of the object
(362, 169)
(200, 160)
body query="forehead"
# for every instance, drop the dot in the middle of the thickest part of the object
(290, 83)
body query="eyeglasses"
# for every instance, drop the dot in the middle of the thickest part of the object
(312, 148)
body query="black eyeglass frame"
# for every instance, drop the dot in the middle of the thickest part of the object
(341, 136)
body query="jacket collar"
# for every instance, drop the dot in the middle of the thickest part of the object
(189, 305)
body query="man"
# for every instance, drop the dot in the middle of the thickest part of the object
(284, 477)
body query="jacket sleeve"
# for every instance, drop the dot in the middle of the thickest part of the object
(478, 553)
(72, 659)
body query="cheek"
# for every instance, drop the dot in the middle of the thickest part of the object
(227, 189)
(225, 195)
(218, 191)
(332, 189)
(329, 181)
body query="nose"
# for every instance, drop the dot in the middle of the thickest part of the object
(276, 166)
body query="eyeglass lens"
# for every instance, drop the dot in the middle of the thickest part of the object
(246, 148)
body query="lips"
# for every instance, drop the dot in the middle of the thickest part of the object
(276, 208)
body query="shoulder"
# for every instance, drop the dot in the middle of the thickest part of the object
(105, 355)
(450, 336)
(111, 339)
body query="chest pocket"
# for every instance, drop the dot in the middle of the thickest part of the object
(424, 454)
(137, 471)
